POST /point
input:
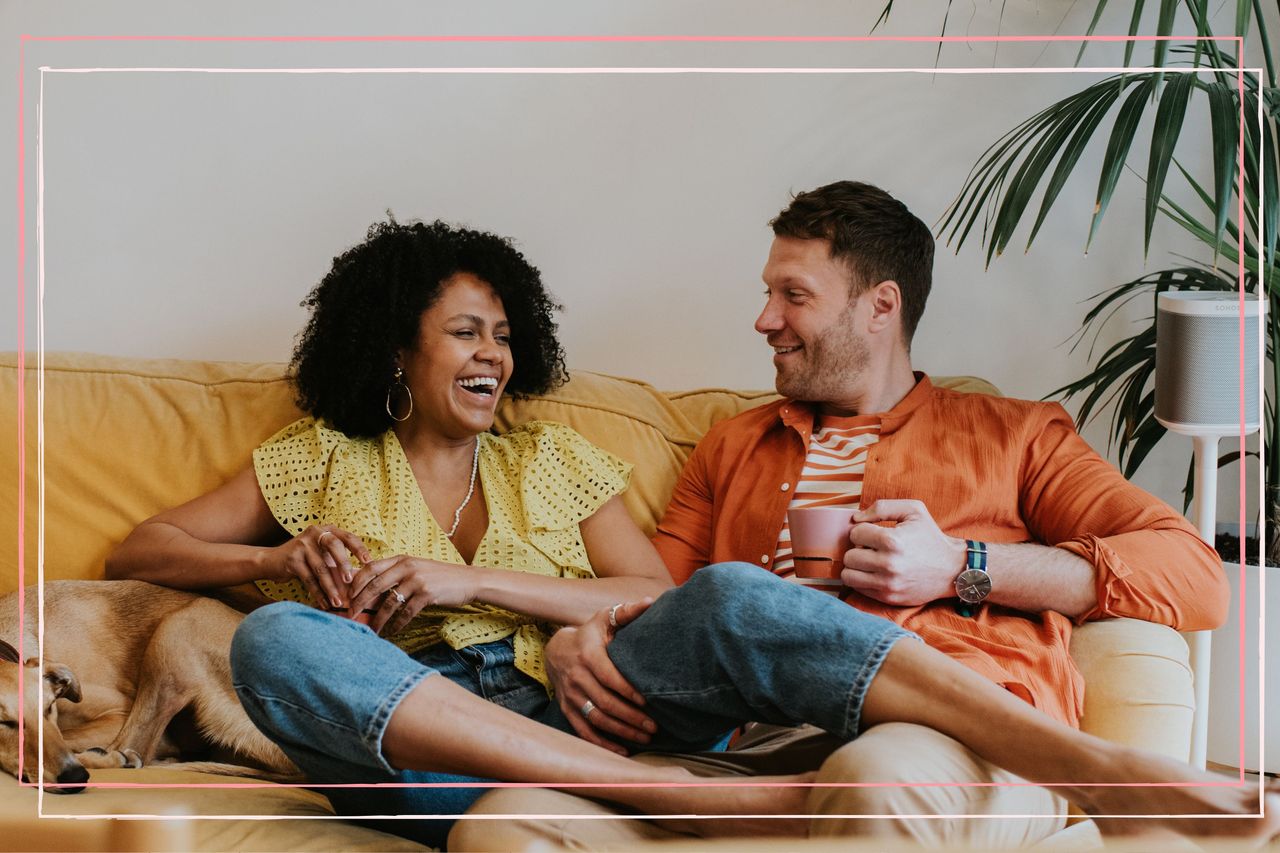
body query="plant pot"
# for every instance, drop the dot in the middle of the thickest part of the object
(1236, 705)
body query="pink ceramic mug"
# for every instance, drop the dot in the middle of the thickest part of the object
(819, 540)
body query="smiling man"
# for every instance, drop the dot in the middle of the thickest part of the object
(985, 525)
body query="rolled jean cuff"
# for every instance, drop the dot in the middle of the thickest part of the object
(377, 727)
(319, 683)
(867, 672)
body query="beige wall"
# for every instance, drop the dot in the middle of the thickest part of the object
(187, 214)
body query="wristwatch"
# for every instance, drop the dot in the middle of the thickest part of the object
(973, 584)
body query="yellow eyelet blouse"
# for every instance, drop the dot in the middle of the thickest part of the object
(539, 481)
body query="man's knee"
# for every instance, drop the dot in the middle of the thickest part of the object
(728, 580)
(708, 604)
(894, 776)
(903, 769)
(878, 767)
(724, 597)
(482, 829)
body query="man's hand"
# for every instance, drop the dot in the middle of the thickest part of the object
(912, 563)
(581, 670)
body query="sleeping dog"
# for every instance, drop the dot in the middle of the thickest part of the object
(122, 659)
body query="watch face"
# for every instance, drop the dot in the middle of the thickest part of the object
(973, 585)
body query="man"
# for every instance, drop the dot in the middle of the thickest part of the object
(962, 496)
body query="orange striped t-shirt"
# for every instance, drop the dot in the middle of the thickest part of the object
(831, 476)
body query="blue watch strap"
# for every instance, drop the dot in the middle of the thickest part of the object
(975, 555)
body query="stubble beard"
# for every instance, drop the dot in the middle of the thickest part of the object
(830, 366)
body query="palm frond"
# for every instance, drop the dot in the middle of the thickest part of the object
(1164, 138)
(1093, 25)
(1070, 156)
(884, 15)
(1222, 117)
(1122, 133)
(1243, 31)
(1164, 28)
(1135, 25)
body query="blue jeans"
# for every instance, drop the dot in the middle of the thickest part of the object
(734, 644)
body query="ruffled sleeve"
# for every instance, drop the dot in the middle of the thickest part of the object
(564, 478)
(310, 473)
(546, 479)
(293, 472)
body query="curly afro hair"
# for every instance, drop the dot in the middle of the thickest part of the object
(368, 307)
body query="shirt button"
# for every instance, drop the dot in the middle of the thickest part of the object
(764, 558)
(786, 486)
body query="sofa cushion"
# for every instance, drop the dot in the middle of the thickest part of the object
(123, 440)
(1140, 685)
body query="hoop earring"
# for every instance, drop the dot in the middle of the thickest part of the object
(399, 383)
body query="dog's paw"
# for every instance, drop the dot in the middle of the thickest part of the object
(96, 756)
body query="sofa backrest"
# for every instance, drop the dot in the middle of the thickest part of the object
(126, 438)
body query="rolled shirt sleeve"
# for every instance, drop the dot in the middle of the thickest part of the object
(1149, 562)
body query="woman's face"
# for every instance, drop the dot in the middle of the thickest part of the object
(461, 361)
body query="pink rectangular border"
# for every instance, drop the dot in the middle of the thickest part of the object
(24, 38)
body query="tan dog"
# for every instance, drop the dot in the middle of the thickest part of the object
(121, 660)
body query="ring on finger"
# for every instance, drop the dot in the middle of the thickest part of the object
(613, 615)
(587, 707)
(397, 595)
(320, 540)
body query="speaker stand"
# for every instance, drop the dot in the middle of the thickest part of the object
(1205, 510)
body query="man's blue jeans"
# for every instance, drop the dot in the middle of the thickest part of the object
(734, 644)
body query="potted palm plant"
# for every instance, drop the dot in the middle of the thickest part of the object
(1037, 157)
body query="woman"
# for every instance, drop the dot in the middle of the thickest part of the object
(467, 547)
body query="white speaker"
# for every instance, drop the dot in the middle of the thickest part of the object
(1198, 346)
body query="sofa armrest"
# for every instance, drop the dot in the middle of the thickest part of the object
(1138, 684)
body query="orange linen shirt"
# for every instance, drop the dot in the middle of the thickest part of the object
(987, 468)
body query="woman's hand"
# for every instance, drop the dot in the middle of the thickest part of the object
(581, 671)
(319, 557)
(406, 585)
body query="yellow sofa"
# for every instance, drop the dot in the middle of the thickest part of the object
(125, 438)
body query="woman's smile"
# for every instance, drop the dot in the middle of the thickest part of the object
(461, 361)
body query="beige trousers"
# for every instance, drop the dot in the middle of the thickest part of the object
(895, 781)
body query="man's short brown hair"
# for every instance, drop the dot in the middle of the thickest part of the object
(873, 233)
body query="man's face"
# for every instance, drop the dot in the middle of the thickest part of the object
(811, 322)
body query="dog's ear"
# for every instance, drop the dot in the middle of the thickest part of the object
(63, 682)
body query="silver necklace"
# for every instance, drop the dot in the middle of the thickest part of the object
(471, 490)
